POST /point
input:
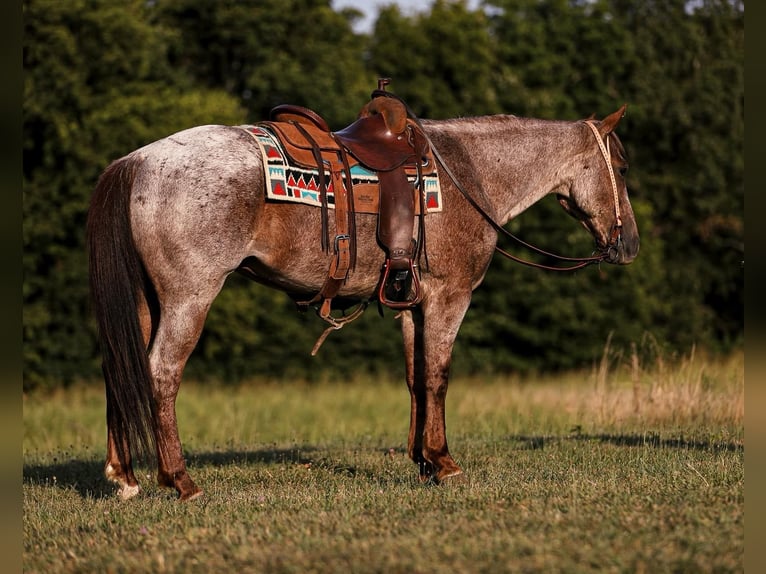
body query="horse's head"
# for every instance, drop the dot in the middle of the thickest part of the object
(598, 195)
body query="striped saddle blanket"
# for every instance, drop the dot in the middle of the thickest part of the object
(286, 180)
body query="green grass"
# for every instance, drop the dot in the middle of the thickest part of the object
(625, 469)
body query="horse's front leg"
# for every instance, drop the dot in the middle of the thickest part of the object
(429, 337)
(412, 327)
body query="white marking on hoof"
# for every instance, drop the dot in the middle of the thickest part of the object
(110, 473)
(126, 491)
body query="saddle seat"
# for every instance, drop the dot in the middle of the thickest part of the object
(375, 145)
(369, 139)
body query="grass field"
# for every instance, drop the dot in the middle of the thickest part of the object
(628, 468)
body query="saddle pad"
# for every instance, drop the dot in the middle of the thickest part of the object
(288, 182)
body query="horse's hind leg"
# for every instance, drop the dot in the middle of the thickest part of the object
(179, 330)
(122, 474)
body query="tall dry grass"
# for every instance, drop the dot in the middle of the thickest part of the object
(623, 393)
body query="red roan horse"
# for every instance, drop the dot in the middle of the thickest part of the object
(170, 221)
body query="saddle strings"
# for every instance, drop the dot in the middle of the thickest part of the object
(580, 261)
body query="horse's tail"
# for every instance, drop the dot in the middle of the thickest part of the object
(117, 281)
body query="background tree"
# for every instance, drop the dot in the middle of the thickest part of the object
(268, 52)
(441, 62)
(688, 134)
(97, 84)
(569, 59)
(104, 78)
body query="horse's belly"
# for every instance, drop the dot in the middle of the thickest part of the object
(302, 267)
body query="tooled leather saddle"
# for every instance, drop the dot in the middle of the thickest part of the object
(383, 139)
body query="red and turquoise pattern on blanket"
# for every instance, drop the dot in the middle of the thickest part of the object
(286, 182)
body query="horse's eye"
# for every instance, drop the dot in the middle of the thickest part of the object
(623, 171)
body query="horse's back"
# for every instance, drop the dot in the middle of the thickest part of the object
(202, 148)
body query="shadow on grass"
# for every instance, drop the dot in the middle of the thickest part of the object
(307, 456)
(86, 476)
(632, 440)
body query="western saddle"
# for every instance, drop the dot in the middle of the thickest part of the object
(383, 139)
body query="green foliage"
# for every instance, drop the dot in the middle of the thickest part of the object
(103, 78)
(681, 73)
(693, 171)
(97, 85)
(270, 52)
(441, 62)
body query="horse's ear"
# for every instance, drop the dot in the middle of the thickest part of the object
(609, 123)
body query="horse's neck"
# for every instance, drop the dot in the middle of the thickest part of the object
(517, 161)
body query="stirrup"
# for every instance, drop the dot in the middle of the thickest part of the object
(399, 288)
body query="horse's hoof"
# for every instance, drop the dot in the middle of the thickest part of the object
(186, 497)
(183, 484)
(125, 490)
(454, 478)
(128, 491)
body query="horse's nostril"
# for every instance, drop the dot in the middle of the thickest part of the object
(613, 254)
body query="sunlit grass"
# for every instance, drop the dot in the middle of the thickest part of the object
(625, 467)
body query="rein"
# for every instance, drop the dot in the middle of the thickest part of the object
(578, 262)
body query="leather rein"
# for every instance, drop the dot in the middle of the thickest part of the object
(577, 262)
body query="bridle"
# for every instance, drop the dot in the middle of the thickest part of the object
(612, 248)
(615, 236)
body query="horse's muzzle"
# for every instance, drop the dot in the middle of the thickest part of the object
(620, 252)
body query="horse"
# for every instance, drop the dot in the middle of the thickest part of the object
(170, 221)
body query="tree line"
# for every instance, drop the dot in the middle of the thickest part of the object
(102, 78)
